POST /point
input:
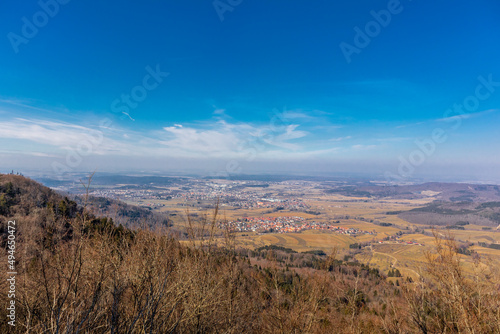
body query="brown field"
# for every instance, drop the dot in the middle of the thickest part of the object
(300, 242)
(354, 212)
(477, 236)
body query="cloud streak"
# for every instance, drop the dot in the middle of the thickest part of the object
(59, 135)
(223, 139)
(211, 139)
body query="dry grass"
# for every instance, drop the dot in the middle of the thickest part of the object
(74, 279)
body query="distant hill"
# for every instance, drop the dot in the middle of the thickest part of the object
(454, 203)
(455, 192)
(444, 213)
(23, 196)
(73, 184)
(43, 215)
(122, 213)
(136, 180)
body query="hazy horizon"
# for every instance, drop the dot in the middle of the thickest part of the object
(404, 90)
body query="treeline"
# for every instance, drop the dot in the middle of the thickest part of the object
(122, 213)
(484, 244)
(82, 274)
(394, 273)
(454, 214)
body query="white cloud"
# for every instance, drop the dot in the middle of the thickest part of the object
(394, 139)
(214, 139)
(223, 139)
(466, 116)
(340, 138)
(43, 132)
(359, 147)
(188, 140)
(60, 135)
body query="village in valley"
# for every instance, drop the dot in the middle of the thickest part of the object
(363, 219)
(286, 225)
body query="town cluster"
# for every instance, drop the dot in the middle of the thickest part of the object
(396, 239)
(206, 192)
(242, 199)
(285, 224)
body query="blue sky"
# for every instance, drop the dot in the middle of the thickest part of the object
(251, 86)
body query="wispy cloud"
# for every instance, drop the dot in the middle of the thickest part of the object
(27, 153)
(221, 138)
(466, 116)
(186, 141)
(450, 118)
(44, 132)
(283, 140)
(297, 135)
(128, 115)
(409, 125)
(22, 103)
(340, 138)
(394, 139)
(218, 111)
(209, 139)
(60, 135)
(359, 147)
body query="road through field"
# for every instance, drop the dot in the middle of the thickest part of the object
(281, 240)
(301, 241)
(395, 260)
(393, 265)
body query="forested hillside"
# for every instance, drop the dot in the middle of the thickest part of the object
(122, 213)
(81, 273)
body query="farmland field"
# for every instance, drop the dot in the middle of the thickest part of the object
(387, 240)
